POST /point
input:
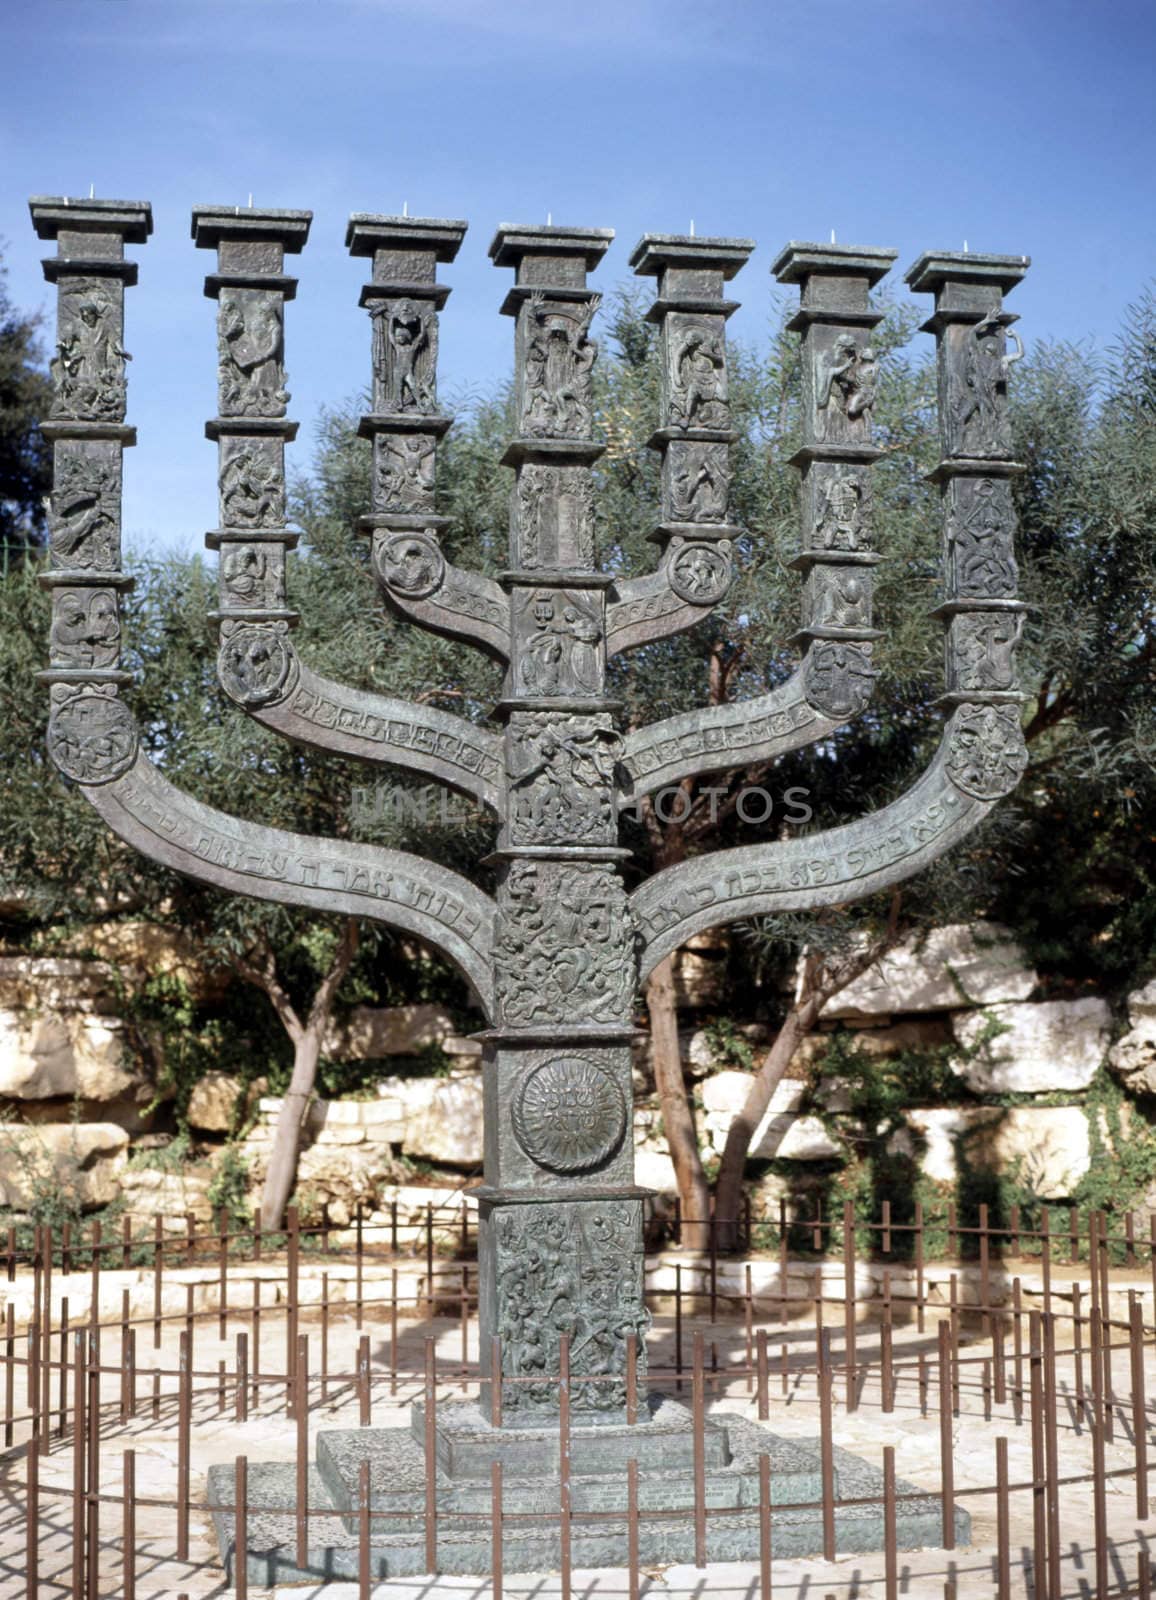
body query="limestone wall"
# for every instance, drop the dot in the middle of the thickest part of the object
(77, 1108)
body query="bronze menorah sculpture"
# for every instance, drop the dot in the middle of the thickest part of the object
(557, 955)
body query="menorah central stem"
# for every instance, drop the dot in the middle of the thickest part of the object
(561, 1222)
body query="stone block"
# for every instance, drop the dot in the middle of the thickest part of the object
(969, 964)
(699, 971)
(44, 1055)
(443, 1119)
(55, 983)
(169, 1194)
(86, 1156)
(1142, 1003)
(1053, 1045)
(1046, 1147)
(369, 1032)
(1133, 1056)
(724, 1094)
(214, 1102)
(791, 1138)
(340, 1133)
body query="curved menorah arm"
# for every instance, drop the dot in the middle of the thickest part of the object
(325, 715)
(92, 735)
(982, 755)
(836, 677)
(257, 665)
(403, 300)
(823, 869)
(696, 567)
(393, 887)
(743, 733)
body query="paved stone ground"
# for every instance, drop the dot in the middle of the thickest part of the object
(267, 1436)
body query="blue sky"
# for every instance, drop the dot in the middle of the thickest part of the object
(1022, 127)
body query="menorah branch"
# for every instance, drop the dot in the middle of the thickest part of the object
(258, 666)
(335, 876)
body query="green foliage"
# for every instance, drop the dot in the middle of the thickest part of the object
(25, 457)
(727, 1045)
(229, 1190)
(1122, 1140)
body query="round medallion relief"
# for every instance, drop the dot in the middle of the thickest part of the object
(93, 738)
(411, 564)
(569, 1115)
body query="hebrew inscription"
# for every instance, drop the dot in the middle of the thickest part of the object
(569, 1114)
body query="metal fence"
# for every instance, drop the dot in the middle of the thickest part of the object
(1024, 1301)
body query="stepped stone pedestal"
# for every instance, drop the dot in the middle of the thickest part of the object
(662, 1443)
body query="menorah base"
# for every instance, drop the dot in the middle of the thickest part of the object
(531, 1533)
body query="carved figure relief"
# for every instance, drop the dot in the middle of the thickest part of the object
(980, 555)
(251, 351)
(576, 1271)
(840, 510)
(701, 573)
(247, 575)
(569, 1115)
(699, 477)
(699, 394)
(981, 651)
(92, 738)
(404, 355)
(554, 516)
(978, 403)
(85, 628)
(557, 362)
(85, 502)
(410, 564)
(845, 382)
(252, 485)
(88, 368)
(256, 663)
(838, 597)
(838, 678)
(404, 471)
(986, 754)
(562, 772)
(559, 643)
(565, 945)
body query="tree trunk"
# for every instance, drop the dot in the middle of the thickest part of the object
(820, 982)
(281, 1174)
(693, 1190)
(729, 1184)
